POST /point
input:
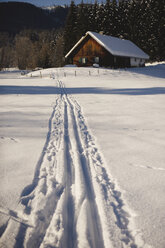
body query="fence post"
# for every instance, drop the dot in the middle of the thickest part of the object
(89, 73)
(75, 73)
(40, 74)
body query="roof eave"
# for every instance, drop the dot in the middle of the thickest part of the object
(133, 56)
(75, 45)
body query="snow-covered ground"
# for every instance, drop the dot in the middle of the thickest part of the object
(82, 161)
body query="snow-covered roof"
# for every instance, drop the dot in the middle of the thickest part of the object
(114, 45)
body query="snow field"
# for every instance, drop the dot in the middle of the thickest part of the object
(99, 126)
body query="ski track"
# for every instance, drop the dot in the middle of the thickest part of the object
(72, 201)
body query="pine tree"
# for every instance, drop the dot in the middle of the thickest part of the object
(161, 29)
(143, 25)
(94, 17)
(133, 20)
(70, 32)
(101, 9)
(90, 17)
(123, 19)
(157, 30)
(82, 20)
(114, 19)
(106, 23)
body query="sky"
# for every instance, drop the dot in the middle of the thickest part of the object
(43, 3)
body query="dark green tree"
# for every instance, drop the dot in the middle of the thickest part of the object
(122, 24)
(82, 20)
(70, 32)
(94, 17)
(106, 22)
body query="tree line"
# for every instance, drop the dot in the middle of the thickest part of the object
(31, 37)
(141, 21)
(32, 48)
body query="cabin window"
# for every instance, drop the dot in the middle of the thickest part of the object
(84, 60)
(135, 59)
(96, 60)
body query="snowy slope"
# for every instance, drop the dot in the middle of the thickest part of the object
(82, 158)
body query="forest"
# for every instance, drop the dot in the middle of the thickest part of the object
(31, 37)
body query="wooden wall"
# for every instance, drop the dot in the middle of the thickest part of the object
(90, 49)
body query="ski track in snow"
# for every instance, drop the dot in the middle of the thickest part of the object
(72, 201)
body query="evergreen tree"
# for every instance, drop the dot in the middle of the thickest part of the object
(133, 20)
(161, 29)
(90, 17)
(94, 17)
(115, 31)
(157, 29)
(110, 18)
(143, 25)
(82, 20)
(101, 10)
(123, 19)
(70, 32)
(106, 23)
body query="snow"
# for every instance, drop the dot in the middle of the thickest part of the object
(116, 46)
(119, 47)
(82, 157)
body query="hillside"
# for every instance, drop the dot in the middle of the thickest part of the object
(43, 3)
(15, 16)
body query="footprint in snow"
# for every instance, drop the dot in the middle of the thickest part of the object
(9, 139)
(148, 167)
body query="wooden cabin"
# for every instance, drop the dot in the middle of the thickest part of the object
(96, 49)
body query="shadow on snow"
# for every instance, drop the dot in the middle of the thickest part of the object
(49, 90)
